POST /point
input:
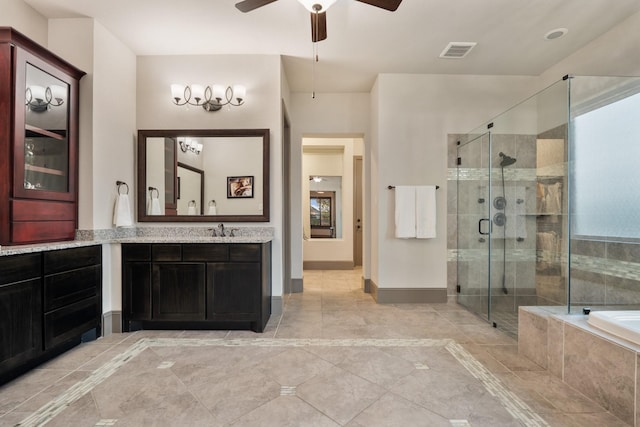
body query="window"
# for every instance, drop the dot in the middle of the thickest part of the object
(321, 212)
(605, 178)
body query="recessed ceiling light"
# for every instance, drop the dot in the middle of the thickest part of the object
(556, 34)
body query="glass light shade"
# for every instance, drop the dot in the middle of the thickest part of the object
(36, 95)
(239, 92)
(56, 94)
(219, 92)
(177, 92)
(326, 4)
(197, 93)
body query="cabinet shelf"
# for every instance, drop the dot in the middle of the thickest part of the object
(32, 131)
(41, 169)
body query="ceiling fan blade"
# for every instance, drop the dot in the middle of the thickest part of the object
(318, 26)
(391, 5)
(249, 5)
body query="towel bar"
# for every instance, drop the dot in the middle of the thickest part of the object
(393, 187)
(120, 184)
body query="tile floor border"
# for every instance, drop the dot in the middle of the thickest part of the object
(514, 405)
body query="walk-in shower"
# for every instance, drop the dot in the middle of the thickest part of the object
(535, 223)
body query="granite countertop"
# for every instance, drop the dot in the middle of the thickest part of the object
(41, 247)
(146, 235)
(187, 239)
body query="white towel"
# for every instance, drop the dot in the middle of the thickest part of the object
(405, 212)
(191, 210)
(426, 212)
(153, 207)
(122, 212)
(212, 210)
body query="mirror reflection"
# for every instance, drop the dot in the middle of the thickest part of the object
(325, 206)
(193, 175)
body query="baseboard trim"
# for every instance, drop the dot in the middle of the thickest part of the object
(276, 306)
(408, 295)
(111, 323)
(296, 286)
(366, 285)
(327, 265)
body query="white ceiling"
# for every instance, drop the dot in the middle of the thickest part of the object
(363, 41)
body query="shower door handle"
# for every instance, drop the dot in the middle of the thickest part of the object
(480, 226)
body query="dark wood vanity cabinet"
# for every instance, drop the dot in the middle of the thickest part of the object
(196, 286)
(72, 293)
(48, 302)
(20, 310)
(38, 142)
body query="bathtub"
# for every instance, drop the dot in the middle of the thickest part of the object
(624, 324)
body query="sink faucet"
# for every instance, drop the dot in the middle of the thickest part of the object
(221, 228)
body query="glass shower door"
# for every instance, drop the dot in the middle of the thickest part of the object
(474, 223)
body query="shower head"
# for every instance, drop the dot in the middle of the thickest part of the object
(506, 160)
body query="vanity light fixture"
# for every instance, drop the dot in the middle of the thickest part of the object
(211, 98)
(39, 99)
(192, 145)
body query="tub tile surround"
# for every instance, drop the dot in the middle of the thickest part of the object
(602, 366)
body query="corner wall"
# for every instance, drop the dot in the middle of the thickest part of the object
(412, 116)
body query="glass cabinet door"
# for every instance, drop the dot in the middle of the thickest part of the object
(46, 140)
(45, 150)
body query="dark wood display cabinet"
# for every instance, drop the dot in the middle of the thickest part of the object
(196, 286)
(49, 302)
(38, 142)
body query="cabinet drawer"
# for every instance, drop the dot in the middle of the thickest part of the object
(245, 252)
(70, 321)
(136, 252)
(16, 268)
(205, 252)
(23, 232)
(69, 259)
(166, 252)
(42, 210)
(65, 288)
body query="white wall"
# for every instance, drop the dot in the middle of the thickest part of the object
(413, 115)
(23, 18)
(107, 129)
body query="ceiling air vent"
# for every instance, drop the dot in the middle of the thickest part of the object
(457, 50)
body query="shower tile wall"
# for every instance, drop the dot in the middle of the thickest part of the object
(533, 275)
(520, 184)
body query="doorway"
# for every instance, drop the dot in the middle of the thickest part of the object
(332, 202)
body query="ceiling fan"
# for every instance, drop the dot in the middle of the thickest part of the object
(318, 9)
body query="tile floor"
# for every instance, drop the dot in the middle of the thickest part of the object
(334, 358)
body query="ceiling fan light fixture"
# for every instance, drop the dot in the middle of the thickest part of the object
(310, 5)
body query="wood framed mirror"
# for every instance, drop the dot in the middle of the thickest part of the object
(219, 154)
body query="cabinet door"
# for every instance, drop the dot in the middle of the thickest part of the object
(20, 322)
(46, 147)
(234, 290)
(178, 291)
(136, 295)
